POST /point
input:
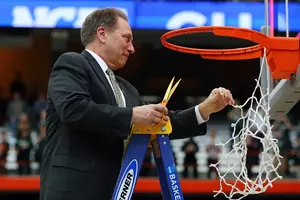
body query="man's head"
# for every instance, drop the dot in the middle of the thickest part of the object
(107, 33)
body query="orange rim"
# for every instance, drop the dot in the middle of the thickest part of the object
(247, 52)
(283, 54)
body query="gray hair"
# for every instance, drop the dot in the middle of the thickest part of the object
(106, 18)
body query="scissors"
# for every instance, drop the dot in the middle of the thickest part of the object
(157, 129)
(168, 94)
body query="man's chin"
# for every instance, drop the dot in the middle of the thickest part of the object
(119, 66)
(122, 65)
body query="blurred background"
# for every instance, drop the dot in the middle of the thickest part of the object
(34, 33)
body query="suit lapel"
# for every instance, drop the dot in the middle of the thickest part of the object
(101, 76)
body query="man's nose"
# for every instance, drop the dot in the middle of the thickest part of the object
(131, 48)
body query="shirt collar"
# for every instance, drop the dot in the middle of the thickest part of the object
(99, 60)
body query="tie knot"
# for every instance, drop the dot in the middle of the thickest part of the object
(109, 72)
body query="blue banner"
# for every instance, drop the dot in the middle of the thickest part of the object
(59, 14)
(145, 15)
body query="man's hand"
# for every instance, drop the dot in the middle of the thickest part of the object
(150, 115)
(218, 99)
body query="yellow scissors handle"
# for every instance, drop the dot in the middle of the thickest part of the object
(167, 97)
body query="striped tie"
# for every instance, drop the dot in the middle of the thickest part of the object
(116, 88)
(119, 100)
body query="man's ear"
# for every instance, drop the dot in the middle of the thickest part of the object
(101, 35)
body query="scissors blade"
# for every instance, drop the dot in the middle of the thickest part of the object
(166, 97)
(173, 89)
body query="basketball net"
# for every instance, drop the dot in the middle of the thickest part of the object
(256, 125)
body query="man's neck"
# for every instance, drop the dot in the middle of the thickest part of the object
(95, 50)
(100, 52)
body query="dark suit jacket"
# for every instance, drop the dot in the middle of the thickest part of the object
(86, 129)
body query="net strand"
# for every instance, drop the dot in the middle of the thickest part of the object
(255, 124)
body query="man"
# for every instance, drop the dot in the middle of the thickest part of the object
(90, 113)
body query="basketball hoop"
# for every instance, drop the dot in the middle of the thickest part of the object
(283, 54)
(283, 57)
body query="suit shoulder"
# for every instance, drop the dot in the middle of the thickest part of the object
(73, 58)
(70, 56)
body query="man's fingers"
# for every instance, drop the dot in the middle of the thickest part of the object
(222, 93)
(156, 120)
(161, 108)
(163, 123)
(232, 102)
(165, 120)
(225, 94)
(158, 114)
(229, 97)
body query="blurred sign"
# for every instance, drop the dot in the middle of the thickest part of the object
(144, 15)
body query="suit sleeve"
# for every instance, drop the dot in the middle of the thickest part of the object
(184, 124)
(69, 90)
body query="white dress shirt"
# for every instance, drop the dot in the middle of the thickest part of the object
(104, 67)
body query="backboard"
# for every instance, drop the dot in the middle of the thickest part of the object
(284, 94)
